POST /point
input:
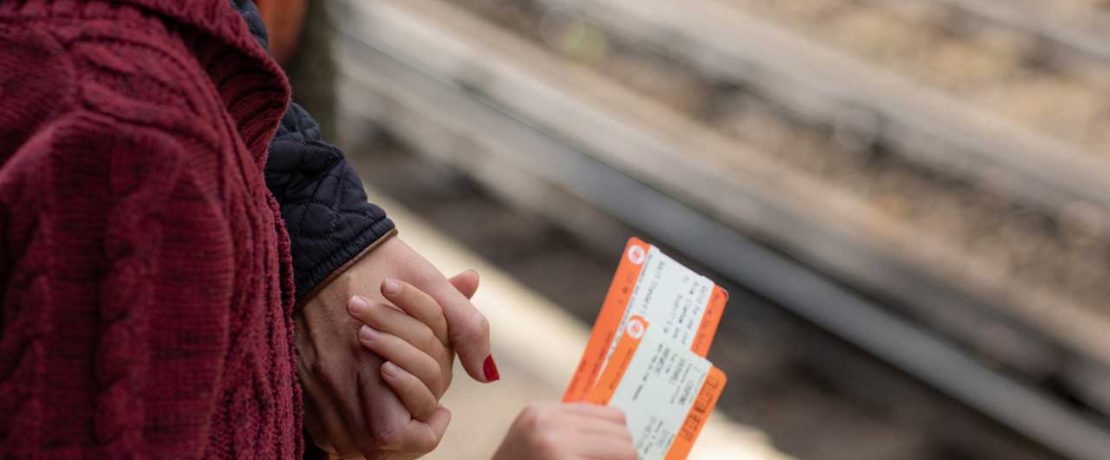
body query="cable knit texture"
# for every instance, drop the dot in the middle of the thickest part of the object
(146, 275)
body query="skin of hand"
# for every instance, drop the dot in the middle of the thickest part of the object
(558, 431)
(412, 340)
(349, 409)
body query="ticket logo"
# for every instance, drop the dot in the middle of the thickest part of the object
(684, 305)
(636, 327)
(636, 254)
(665, 390)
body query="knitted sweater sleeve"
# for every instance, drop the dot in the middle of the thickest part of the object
(116, 284)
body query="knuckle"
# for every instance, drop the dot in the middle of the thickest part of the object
(326, 373)
(547, 441)
(437, 383)
(530, 416)
(424, 410)
(422, 298)
(626, 436)
(390, 435)
(435, 443)
(482, 325)
(441, 330)
(618, 415)
(429, 443)
(475, 329)
(538, 417)
(427, 414)
(429, 343)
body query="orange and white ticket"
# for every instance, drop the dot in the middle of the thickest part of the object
(684, 306)
(665, 390)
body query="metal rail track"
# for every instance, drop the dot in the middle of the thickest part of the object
(448, 82)
(823, 85)
(1075, 38)
(821, 226)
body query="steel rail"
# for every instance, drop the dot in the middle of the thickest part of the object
(401, 57)
(824, 85)
(820, 225)
(1083, 35)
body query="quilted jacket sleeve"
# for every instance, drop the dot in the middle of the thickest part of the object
(322, 200)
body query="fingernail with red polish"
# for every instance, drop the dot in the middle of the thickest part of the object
(489, 368)
(391, 286)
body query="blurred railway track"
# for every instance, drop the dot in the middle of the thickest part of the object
(452, 78)
(825, 85)
(1026, 266)
(987, 244)
(1013, 72)
(1072, 33)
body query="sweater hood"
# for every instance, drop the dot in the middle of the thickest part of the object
(256, 73)
(252, 85)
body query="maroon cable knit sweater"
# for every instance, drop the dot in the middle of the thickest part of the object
(144, 269)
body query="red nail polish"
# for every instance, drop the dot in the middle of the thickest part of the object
(489, 368)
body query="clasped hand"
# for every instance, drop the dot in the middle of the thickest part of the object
(384, 403)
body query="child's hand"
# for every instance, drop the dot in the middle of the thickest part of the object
(413, 341)
(568, 431)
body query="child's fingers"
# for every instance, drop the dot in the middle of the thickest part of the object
(597, 427)
(606, 421)
(416, 397)
(400, 324)
(418, 304)
(605, 447)
(602, 432)
(608, 413)
(420, 436)
(466, 283)
(411, 359)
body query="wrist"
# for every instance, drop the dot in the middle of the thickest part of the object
(346, 265)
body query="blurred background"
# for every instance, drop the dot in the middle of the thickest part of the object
(908, 199)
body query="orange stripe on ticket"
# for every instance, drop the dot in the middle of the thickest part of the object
(698, 415)
(707, 330)
(609, 320)
(606, 385)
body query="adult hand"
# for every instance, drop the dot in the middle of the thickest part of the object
(349, 410)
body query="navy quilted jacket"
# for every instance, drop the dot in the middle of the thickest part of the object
(321, 196)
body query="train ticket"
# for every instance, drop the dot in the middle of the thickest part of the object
(665, 390)
(683, 305)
